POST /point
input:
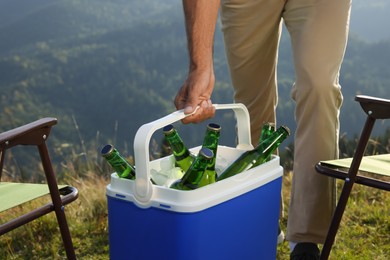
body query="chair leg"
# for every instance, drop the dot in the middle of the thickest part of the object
(65, 233)
(55, 196)
(349, 182)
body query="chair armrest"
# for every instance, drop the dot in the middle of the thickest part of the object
(377, 108)
(340, 173)
(33, 133)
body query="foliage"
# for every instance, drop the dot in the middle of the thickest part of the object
(104, 68)
(111, 66)
(363, 233)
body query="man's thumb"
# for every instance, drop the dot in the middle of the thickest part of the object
(190, 107)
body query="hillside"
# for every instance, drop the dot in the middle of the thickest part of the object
(369, 18)
(105, 68)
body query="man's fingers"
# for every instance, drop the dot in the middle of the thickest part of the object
(205, 111)
(189, 110)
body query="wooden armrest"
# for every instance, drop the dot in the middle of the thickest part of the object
(378, 108)
(33, 133)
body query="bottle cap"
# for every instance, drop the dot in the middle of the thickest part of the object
(206, 152)
(168, 129)
(214, 127)
(269, 124)
(107, 150)
(286, 129)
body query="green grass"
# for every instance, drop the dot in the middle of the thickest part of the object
(87, 218)
(364, 231)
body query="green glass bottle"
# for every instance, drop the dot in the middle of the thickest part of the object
(121, 166)
(191, 180)
(210, 141)
(183, 157)
(256, 156)
(266, 131)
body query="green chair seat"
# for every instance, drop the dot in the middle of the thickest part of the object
(13, 194)
(378, 164)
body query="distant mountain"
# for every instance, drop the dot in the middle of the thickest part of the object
(370, 19)
(25, 22)
(104, 68)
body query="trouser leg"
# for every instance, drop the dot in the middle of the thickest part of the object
(252, 29)
(319, 31)
(251, 32)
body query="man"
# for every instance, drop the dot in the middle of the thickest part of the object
(252, 30)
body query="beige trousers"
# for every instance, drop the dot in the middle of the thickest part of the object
(319, 32)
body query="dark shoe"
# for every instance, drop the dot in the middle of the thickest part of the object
(305, 251)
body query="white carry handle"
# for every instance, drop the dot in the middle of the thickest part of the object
(143, 187)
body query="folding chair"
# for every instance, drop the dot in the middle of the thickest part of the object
(13, 194)
(375, 108)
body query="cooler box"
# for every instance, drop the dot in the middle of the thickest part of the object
(236, 218)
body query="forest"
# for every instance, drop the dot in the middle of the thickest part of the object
(104, 68)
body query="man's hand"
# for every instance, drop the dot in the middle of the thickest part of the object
(196, 91)
(200, 20)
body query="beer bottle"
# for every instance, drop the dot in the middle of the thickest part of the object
(266, 131)
(192, 178)
(122, 167)
(183, 157)
(256, 156)
(210, 141)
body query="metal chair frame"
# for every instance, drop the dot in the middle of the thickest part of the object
(36, 134)
(375, 108)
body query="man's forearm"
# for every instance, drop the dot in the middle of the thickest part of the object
(200, 19)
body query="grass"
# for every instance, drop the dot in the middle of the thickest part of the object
(364, 229)
(87, 218)
(363, 234)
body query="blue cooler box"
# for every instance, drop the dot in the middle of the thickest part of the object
(236, 218)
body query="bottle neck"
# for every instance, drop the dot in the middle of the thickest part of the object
(274, 140)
